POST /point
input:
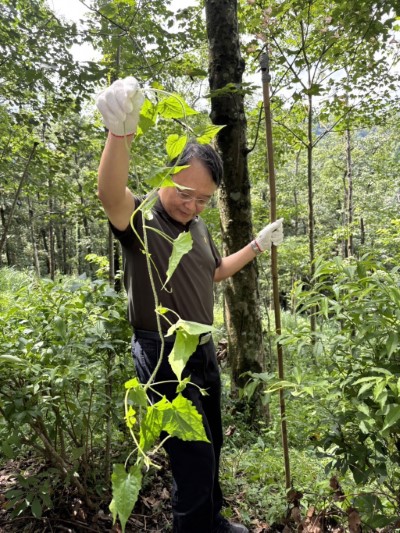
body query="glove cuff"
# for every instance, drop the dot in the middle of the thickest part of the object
(255, 247)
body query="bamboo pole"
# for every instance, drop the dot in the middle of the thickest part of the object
(266, 78)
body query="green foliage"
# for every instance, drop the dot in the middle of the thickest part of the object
(126, 486)
(358, 310)
(187, 335)
(181, 246)
(60, 344)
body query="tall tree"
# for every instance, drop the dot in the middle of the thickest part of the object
(242, 301)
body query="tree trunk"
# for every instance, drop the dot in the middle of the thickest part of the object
(36, 261)
(64, 240)
(46, 248)
(52, 267)
(350, 250)
(242, 301)
(20, 185)
(6, 246)
(343, 210)
(362, 231)
(311, 243)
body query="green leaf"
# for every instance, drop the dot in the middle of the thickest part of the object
(125, 490)
(379, 521)
(392, 417)
(195, 71)
(148, 117)
(77, 452)
(12, 359)
(208, 134)
(60, 326)
(175, 144)
(182, 420)
(136, 395)
(151, 425)
(181, 246)
(174, 107)
(182, 385)
(392, 342)
(161, 178)
(36, 508)
(314, 90)
(184, 346)
(130, 417)
(193, 328)
(7, 450)
(187, 336)
(132, 383)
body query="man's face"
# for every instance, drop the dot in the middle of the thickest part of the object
(184, 204)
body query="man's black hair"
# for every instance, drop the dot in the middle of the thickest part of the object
(204, 153)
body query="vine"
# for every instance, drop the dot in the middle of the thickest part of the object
(177, 418)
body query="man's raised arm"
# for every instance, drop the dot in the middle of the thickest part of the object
(120, 106)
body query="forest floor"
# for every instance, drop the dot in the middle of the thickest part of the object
(152, 513)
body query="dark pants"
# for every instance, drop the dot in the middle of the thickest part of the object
(197, 496)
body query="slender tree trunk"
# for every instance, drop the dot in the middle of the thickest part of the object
(52, 267)
(46, 248)
(311, 243)
(350, 250)
(6, 246)
(242, 300)
(36, 261)
(362, 231)
(21, 183)
(344, 214)
(64, 241)
(296, 203)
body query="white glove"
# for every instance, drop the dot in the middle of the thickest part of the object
(120, 106)
(271, 234)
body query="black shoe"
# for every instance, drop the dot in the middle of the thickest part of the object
(222, 525)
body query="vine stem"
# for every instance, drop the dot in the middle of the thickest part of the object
(149, 263)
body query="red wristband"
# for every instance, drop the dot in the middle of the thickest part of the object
(258, 246)
(121, 136)
(256, 249)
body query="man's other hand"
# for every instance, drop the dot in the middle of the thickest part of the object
(271, 234)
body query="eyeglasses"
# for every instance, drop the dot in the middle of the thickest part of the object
(186, 197)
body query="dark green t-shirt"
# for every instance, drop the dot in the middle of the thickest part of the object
(189, 293)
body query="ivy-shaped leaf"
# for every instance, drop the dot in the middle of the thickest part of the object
(182, 420)
(181, 246)
(186, 341)
(148, 117)
(136, 395)
(151, 425)
(207, 135)
(174, 107)
(175, 144)
(192, 328)
(184, 346)
(125, 490)
(161, 177)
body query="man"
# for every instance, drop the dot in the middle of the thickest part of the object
(197, 497)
